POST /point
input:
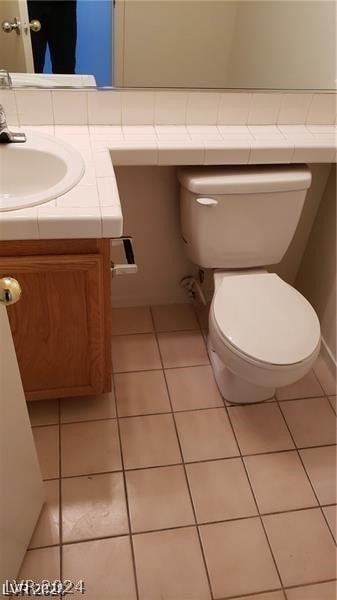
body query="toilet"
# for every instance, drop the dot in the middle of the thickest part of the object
(263, 333)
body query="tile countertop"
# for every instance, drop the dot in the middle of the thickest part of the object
(92, 209)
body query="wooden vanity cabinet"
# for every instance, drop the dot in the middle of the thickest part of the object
(61, 326)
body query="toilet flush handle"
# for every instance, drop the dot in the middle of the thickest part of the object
(207, 201)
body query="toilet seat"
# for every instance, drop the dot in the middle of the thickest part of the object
(264, 321)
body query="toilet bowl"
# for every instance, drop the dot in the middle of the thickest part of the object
(263, 333)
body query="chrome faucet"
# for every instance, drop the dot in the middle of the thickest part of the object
(7, 136)
(5, 79)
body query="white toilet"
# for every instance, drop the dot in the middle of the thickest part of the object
(263, 333)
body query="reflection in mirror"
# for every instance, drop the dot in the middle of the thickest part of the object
(57, 42)
(268, 44)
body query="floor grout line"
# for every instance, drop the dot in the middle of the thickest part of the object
(173, 527)
(185, 472)
(256, 503)
(307, 474)
(60, 493)
(192, 462)
(126, 499)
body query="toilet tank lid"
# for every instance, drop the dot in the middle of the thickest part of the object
(245, 179)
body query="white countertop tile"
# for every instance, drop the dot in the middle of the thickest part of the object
(92, 209)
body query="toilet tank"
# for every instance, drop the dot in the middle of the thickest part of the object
(239, 217)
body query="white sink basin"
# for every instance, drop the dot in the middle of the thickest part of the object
(37, 171)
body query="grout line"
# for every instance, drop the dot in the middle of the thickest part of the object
(60, 492)
(318, 381)
(165, 368)
(126, 495)
(331, 404)
(305, 470)
(172, 528)
(188, 462)
(184, 467)
(307, 585)
(183, 410)
(255, 500)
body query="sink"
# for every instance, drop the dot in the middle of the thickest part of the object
(37, 171)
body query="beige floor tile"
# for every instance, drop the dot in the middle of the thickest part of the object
(40, 564)
(88, 408)
(174, 317)
(279, 482)
(47, 447)
(333, 402)
(104, 565)
(43, 412)
(47, 530)
(131, 320)
(238, 558)
(325, 377)
(91, 447)
(306, 387)
(205, 434)
(141, 393)
(135, 353)
(320, 464)
(192, 388)
(158, 498)
(331, 516)
(149, 441)
(312, 421)
(220, 490)
(182, 349)
(93, 506)
(268, 596)
(319, 591)
(260, 428)
(169, 566)
(302, 545)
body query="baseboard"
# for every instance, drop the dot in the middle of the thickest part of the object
(328, 357)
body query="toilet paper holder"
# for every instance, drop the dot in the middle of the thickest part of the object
(130, 267)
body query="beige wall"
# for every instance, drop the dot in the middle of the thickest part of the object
(284, 44)
(226, 44)
(317, 275)
(182, 43)
(150, 203)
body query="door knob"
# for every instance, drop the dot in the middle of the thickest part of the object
(10, 291)
(8, 26)
(35, 25)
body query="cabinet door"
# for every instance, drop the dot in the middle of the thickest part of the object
(58, 326)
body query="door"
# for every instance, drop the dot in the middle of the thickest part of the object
(16, 54)
(21, 488)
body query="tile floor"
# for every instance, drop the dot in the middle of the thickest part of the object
(161, 491)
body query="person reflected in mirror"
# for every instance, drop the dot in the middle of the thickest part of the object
(58, 31)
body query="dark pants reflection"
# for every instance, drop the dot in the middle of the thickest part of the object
(58, 30)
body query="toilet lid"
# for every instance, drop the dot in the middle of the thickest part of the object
(265, 318)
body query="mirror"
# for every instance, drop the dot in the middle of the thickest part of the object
(252, 44)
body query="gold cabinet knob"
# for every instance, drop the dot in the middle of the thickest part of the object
(10, 291)
(35, 25)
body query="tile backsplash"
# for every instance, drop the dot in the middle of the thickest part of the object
(171, 107)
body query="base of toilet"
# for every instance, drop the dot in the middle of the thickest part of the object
(232, 388)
